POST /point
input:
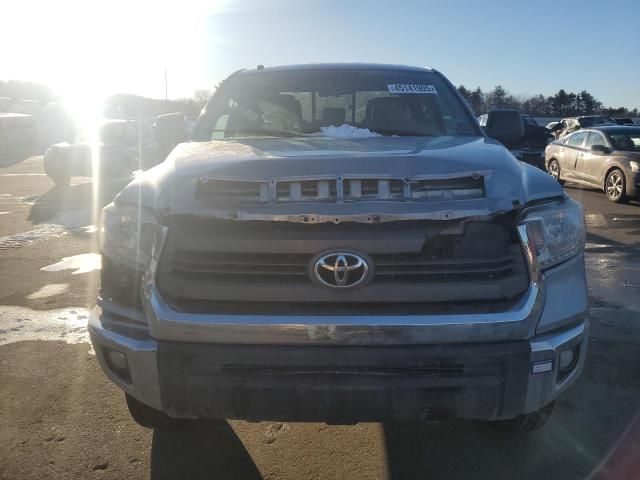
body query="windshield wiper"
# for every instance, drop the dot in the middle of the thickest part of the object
(400, 132)
(268, 133)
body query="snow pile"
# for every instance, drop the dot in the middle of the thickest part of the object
(83, 263)
(347, 131)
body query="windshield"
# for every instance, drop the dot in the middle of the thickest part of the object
(362, 102)
(627, 142)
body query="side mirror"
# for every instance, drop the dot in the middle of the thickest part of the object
(505, 125)
(170, 130)
(599, 149)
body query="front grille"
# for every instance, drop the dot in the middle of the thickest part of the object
(414, 267)
(339, 190)
(230, 266)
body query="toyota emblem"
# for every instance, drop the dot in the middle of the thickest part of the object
(341, 269)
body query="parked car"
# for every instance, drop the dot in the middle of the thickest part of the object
(342, 243)
(528, 147)
(607, 157)
(18, 137)
(123, 146)
(569, 125)
(535, 135)
(624, 121)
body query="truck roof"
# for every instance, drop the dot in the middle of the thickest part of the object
(337, 66)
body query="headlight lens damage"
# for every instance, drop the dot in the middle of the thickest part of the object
(126, 234)
(556, 232)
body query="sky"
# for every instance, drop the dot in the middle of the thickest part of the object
(90, 48)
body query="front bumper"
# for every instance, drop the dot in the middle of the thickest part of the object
(633, 184)
(341, 384)
(346, 369)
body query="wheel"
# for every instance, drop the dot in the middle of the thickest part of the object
(149, 417)
(615, 187)
(527, 422)
(554, 170)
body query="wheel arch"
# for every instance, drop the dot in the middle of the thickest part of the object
(608, 169)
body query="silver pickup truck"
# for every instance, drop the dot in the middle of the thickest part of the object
(341, 243)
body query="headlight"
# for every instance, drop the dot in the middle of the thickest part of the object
(556, 232)
(635, 166)
(126, 234)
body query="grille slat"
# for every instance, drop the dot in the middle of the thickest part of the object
(425, 270)
(240, 269)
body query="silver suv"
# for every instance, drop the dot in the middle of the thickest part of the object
(341, 243)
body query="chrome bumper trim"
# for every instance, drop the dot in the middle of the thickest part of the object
(516, 324)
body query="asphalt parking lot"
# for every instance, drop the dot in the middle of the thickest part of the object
(61, 418)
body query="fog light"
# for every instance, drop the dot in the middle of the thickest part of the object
(117, 360)
(567, 359)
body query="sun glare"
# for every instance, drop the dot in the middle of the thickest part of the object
(88, 50)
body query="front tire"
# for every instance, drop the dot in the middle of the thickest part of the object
(527, 422)
(553, 168)
(149, 417)
(615, 186)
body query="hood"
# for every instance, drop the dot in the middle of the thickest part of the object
(170, 186)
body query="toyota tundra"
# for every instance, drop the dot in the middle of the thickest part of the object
(342, 243)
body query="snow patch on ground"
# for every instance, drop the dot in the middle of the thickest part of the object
(42, 232)
(18, 324)
(83, 263)
(48, 291)
(72, 219)
(346, 131)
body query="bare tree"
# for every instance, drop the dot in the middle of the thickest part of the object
(201, 97)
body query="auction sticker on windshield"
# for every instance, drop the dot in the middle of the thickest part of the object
(412, 89)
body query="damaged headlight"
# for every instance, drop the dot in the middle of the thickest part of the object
(126, 234)
(556, 232)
